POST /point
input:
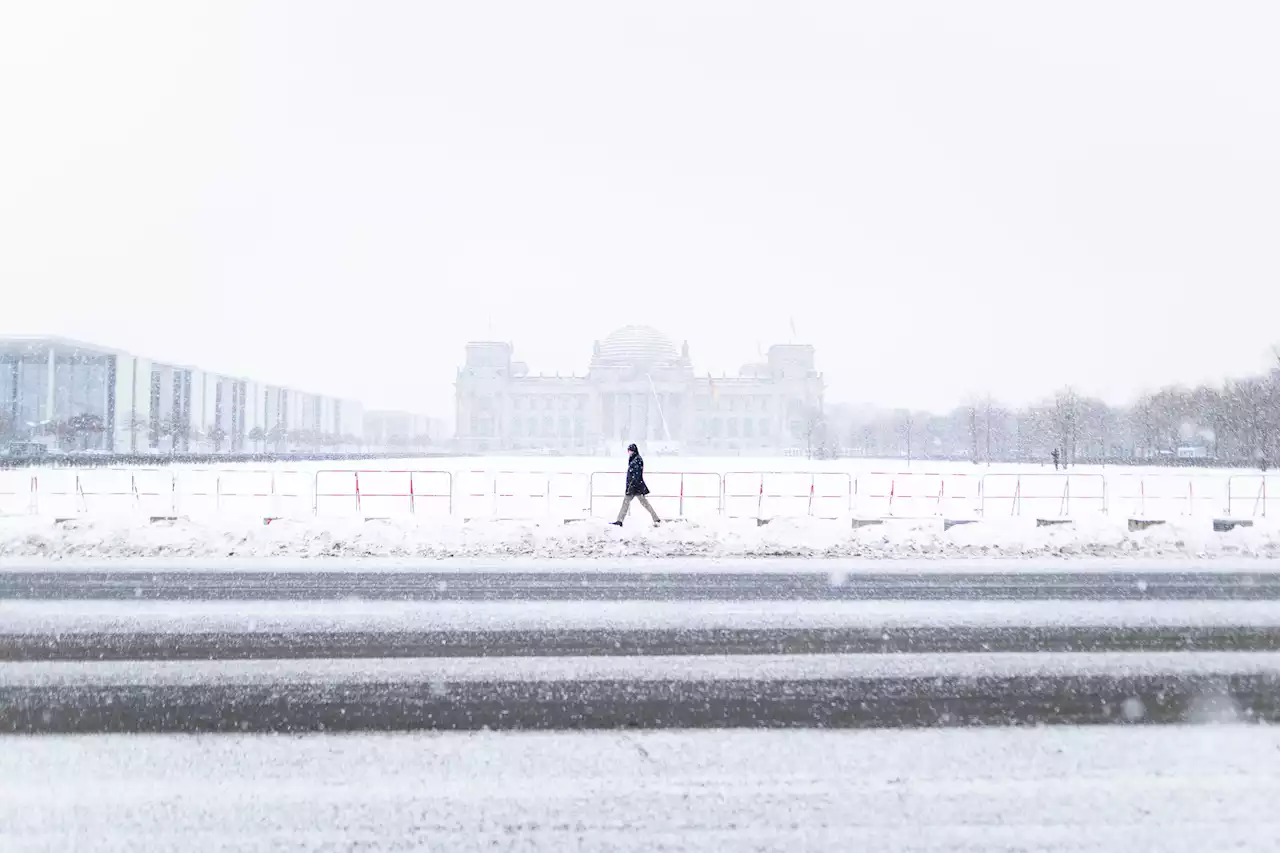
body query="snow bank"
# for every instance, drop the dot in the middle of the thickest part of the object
(27, 537)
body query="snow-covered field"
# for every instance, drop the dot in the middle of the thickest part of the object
(35, 537)
(1084, 790)
(555, 507)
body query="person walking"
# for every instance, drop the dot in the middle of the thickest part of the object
(636, 488)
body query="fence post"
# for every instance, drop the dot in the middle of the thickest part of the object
(812, 479)
(681, 505)
(413, 506)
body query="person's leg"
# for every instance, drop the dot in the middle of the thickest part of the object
(644, 502)
(626, 507)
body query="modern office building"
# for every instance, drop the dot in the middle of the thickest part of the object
(639, 387)
(76, 395)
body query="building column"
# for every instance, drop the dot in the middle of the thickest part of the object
(52, 391)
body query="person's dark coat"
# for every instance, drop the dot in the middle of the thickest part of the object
(635, 476)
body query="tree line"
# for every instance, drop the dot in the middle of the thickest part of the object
(1237, 423)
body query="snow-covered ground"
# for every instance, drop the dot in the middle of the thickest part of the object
(1037, 790)
(68, 617)
(687, 668)
(1019, 538)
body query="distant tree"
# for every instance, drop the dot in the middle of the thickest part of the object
(1066, 415)
(277, 436)
(906, 427)
(64, 434)
(217, 435)
(84, 426)
(257, 435)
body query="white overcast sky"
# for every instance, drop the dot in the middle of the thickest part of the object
(948, 197)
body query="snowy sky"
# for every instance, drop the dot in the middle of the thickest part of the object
(948, 198)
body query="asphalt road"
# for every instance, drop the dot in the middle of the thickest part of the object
(669, 585)
(150, 650)
(285, 645)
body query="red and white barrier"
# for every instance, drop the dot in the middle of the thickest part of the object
(1042, 495)
(383, 494)
(17, 492)
(1253, 496)
(787, 494)
(509, 494)
(916, 494)
(1167, 496)
(673, 494)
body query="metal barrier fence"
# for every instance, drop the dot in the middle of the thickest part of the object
(777, 494)
(673, 494)
(381, 493)
(1250, 495)
(1043, 495)
(1166, 496)
(17, 492)
(913, 494)
(509, 494)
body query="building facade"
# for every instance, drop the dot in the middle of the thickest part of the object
(80, 396)
(638, 388)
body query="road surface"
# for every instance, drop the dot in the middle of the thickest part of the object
(1035, 790)
(198, 649)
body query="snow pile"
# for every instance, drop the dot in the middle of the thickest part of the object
(716, 538)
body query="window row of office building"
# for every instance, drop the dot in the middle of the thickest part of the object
(79, 396)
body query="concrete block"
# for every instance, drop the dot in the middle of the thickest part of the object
(157, 519)
(949, 523)
(1053, 522)
(1225, 525)
(867, 522)
(1136, 524)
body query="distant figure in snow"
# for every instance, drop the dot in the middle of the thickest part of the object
(1057, 458)
(636, 489)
